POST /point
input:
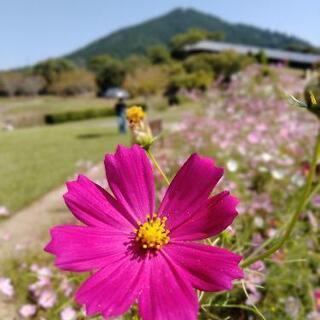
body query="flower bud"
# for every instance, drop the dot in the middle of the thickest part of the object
(313, 106)
(140, 130)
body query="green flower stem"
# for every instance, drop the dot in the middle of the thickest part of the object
(153, 159)
(305, 198)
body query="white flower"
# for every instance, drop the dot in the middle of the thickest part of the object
(6, 287)
(232, 165)
(258, 222)
(68, 314)
(298, 179)
(28, 310)
(277, 174)
(266, 157)
(262, 169)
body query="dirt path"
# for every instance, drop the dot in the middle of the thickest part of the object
(28, 229)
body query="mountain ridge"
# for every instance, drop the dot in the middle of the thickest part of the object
(137, 38)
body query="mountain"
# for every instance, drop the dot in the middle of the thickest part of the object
(136, 39)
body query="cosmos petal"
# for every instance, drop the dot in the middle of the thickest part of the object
(216, 215)
(208, 268)
(94, 206)
(79, 248)
(112, 290)
(166, 294)
(130, 178)
(190, 189)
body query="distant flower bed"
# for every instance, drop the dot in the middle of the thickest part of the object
(265, 146)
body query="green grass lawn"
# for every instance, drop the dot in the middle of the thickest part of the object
(35, 160)
(18, 106)
(50, 104)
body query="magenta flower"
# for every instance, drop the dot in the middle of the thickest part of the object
(142, 255)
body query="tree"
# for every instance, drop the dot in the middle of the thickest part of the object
(52, 68)
(10, 83)
(215, 35)
(98, 63)
(31, 85)
(193, 35)
(73, 82)
(147, 80)
(158, 54)
(261, 57)
(135, 62)
(110, 72)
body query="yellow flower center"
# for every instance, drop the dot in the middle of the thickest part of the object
(153, 234)
(135, 114)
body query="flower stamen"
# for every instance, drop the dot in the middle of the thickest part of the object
(153, 234)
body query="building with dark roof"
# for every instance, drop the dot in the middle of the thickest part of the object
(295, 59)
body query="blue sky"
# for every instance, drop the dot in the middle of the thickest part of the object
(32, 30)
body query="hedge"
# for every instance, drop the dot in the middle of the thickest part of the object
(78, 115)
(67, 116)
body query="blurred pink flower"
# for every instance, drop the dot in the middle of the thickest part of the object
(316, 201)
(68, 314)
(28, 310)
(254, 138)
(4, 211)
(317, 299)
(47, 299)
(130, 246)
(6, 287)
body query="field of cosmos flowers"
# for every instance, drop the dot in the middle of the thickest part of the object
(145, 250)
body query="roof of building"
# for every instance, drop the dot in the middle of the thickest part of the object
(277, 54)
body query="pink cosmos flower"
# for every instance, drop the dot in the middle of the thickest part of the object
(28, 310)
(317, 299)
(142, 255)
(47, 299)
(68, 314)
(6, 287)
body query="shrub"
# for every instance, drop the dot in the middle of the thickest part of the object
(199, 62)
(261, 57)
(146, 81)
(229, 62)
(197, 80)
(73, 83)
(78, 115)
(223, 64)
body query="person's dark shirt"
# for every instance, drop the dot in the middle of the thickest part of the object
(120, 108)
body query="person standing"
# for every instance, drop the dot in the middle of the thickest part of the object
(120, 109)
